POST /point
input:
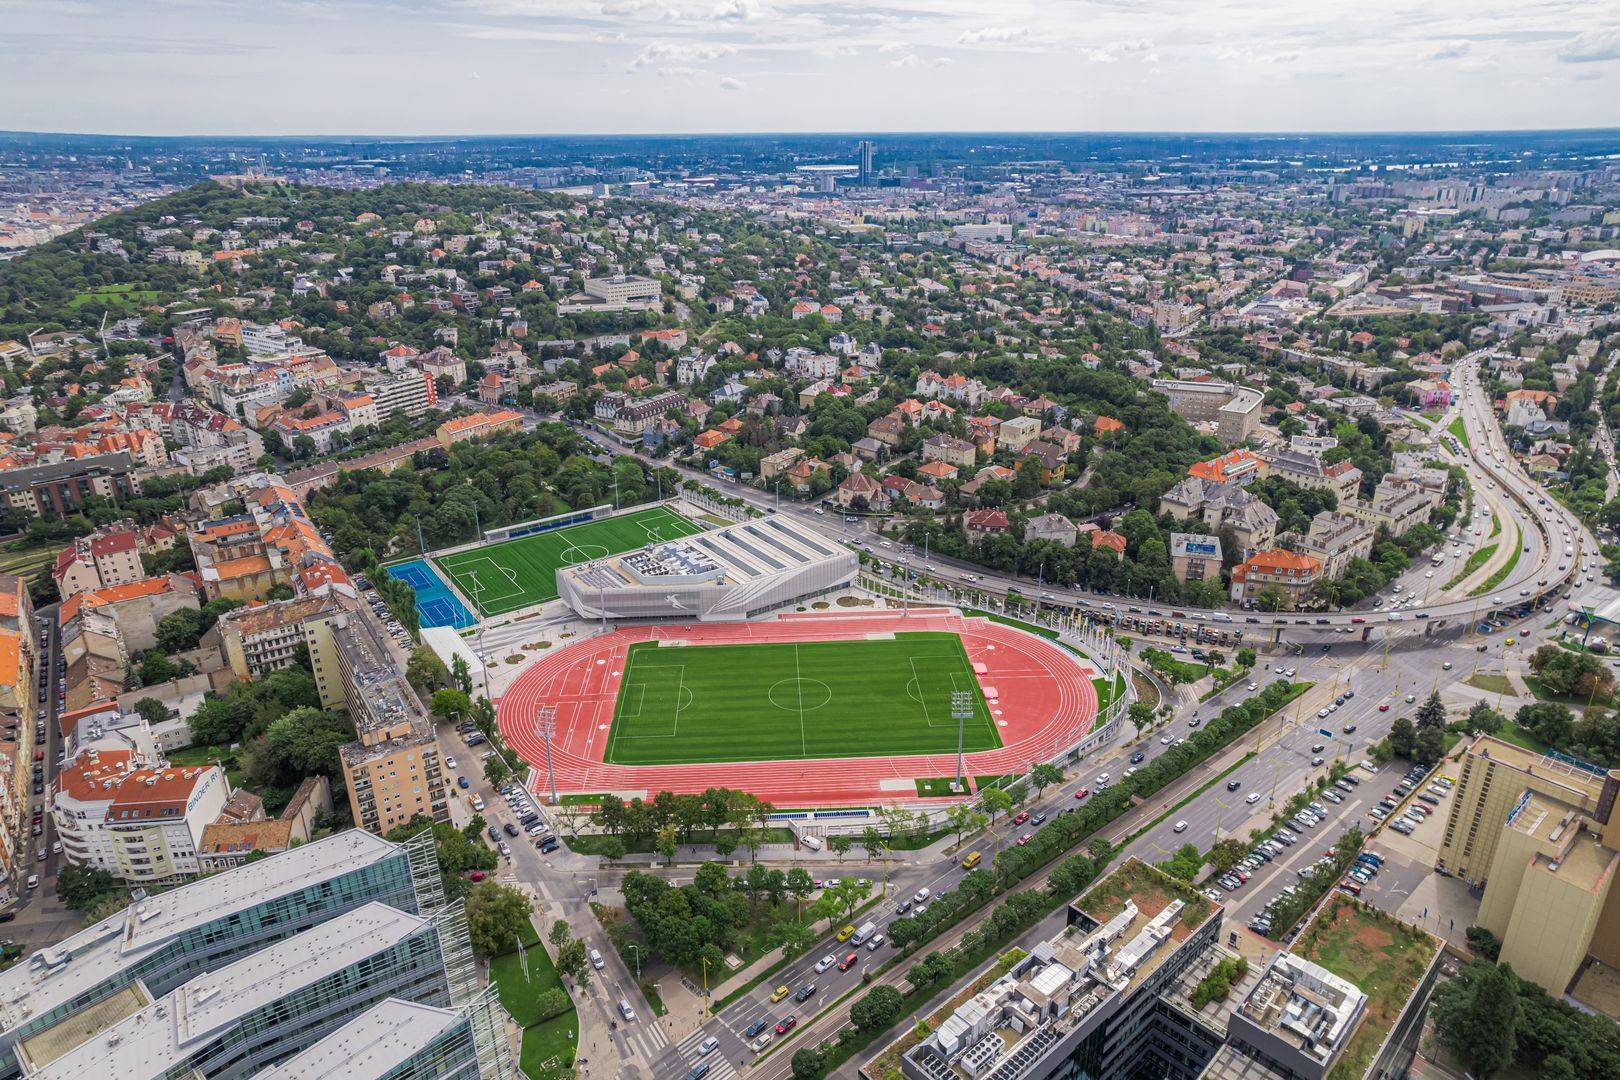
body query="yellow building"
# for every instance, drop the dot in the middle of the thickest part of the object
(393, 771)
(1540, 833)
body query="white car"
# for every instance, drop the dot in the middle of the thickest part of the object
(825, 962)
(449, 762)
(1254, 797)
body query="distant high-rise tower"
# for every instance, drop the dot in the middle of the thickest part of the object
(866, 149)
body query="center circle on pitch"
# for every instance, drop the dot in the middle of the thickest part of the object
(799, 694)
(583, 553)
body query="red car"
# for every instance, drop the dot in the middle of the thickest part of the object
(1082, 793)
(848, 962)
(1021, 818)
(1384, 707)
(1026, 838)
(786, 1025)
(475, 875)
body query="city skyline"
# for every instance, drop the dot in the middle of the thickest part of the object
(648, 66)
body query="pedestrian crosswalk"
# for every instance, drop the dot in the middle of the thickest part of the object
(688, 1054)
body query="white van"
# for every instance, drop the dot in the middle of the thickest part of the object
(811, 843)
(596, 960)
(867, 930)
(921, 895)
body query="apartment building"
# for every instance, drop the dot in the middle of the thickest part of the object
(1540, 833)
(393, 770)
(1308, 471)
(1233, 410)
(1295, 575)
(410, 392)
(1222, 507)
(62, 487)
(477, 426)
(636, 415)
(624, 289)
(142, 825)
(266, 637)
(1195, 557)
(1333, 540)
(1396, 506)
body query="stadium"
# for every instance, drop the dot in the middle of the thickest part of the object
(813, 709)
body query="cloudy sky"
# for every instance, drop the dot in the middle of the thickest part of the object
(586, 66)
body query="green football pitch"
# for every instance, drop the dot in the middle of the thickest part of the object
(770, 702)
(512, 574)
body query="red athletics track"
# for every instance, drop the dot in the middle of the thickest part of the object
(1046, 702)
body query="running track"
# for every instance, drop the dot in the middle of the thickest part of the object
(1046, 703)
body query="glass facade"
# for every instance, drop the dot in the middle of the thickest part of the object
(234, 934)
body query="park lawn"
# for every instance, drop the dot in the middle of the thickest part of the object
(1460, 430)
(1475, 561)
(547, 1052)
(514, 574)
(24, 561)
(1491, 684)
(1518, 736)
(796, 700)
(548, 1049)
(122, 295)
(1501, 574)
(517, 993)
(1383, 957)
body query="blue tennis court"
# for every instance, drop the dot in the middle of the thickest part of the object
(436, 605)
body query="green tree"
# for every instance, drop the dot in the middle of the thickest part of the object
(424, 670)
(1548, 721)
(152, 710)
(451, 704)
(79, 886)
(496, 771)
(666, 842)
(1043, 775)
(179, 630)
(807, 1064)
(496, 915)
(840, 845)
(791, 937)
(1246, 657)
(1432, 713)
(850, 893)
(1402, 738)
(799, 883)
(994, 801)
(878, 1009)
(1484, 718)
(1480, 1029)
(1430, 744)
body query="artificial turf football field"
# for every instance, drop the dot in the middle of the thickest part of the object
(512, 574)
(688, 704)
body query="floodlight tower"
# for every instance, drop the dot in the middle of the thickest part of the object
(961, 709)
(545, 726)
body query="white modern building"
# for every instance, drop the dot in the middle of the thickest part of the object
(729, 574)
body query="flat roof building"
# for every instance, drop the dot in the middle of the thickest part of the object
(731, 573)
(160, 943)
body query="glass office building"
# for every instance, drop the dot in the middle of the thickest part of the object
(237, 1021)
(161, 943)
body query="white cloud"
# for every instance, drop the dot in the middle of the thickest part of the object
(910, 60)
(993, 35)
(679, 72)
(943, 61)
(1592, 47)
(729, 83)
(891, 47)
(679, 53)
(1456, 50)
(735, 10)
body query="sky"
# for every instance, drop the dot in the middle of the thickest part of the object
(414, 67)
